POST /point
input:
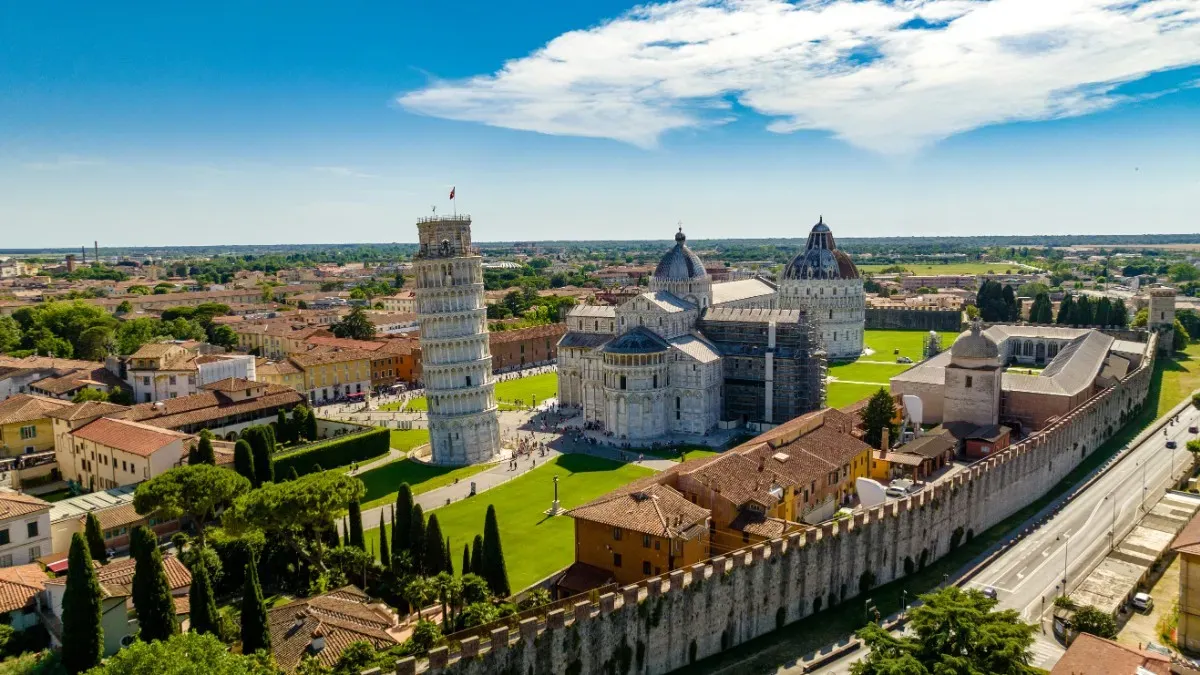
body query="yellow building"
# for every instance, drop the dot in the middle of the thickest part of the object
(108, 453)
(1187, 546)
(284, 373)
(25, 425)
(333, 375)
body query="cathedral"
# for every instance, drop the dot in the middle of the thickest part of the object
(690, 355)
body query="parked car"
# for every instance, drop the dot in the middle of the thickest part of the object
(1142, 602)
(1193, 429)
(1172, 444)
(901, 487)
(904, 359)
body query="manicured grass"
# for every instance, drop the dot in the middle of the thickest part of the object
(535, 545)
(842, 394)
(951, 268)
(678, 453)
(910, 343)
(407, 439)
(1181, 376)
(540, 387)
(382, 482)
(866, 372)
(697, 453)
(418, 403)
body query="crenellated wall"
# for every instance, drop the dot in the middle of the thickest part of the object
(668, 622)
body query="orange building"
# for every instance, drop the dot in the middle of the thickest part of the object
(521, 347)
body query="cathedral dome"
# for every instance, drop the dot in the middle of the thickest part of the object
(637, 341)
(680, 263)
(974, 345)
(821, 259)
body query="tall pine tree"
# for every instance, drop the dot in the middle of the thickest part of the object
(256, 634)
(434, 560)
(95, 539)
(264, 466)
(243, 461)
(477, 557)
(281, 426)
(402, 521)
(151, 590)
(81, 627)
(1066, 311)
(416, 539)
(203, 613)
(384, 555)
(356, 526)
(466, 561)
(495, 569)
(204, 453)
(310, 425)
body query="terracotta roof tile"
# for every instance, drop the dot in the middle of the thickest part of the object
(26, 408)
(208, 406)
(139, 439)
(651, 508)
(313, 359)
(1188, 539)
(18, 504)
(550, 330)
(87, 409)
(342, 616)
(20, 585)
(1090, 655)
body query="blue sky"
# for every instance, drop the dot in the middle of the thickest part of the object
(171, 123)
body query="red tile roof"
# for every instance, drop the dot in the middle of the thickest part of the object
(341, 617)
(1188, 539)
(139, 439)
(26, 408)
(1090, 655)
(20, 585)
(19, 504)
(645, 506)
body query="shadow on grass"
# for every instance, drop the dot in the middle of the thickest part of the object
(574, 463)
(834, 625)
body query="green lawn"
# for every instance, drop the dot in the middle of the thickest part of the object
(679, 453)
(842, 394)
(857, 371)
(382, 482)
(885, 343)
(950, 268)
(540, 387)
(407, 439)
(1180, 377)
(535, 545)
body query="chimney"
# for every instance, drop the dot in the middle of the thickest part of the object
(318, 641)
(299, 621)
(883, 441)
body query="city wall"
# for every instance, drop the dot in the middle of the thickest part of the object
(668, 622)
(914, 319)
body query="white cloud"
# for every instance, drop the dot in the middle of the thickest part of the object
(344, 171)
(890, 77)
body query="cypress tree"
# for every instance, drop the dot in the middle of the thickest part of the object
(495, 571)
(466, 561)
(416, 541)
(264, 468)
(204, 618)
(1066, 309)
(355, 533)
(299, 418)
(95, 540)
(81, 628)
(243, 463)
(256, 634)
(448, 564)
(151, 590)
(330, 534)
(281, 426)
(204, 453)
(402, 520)
(435, 548)
(310, 425)
(384, 555)
(292, 473)
(345, 531)
(477, 567)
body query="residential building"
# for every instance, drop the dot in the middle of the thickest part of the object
(405, 361)
(404, 301)
(324, 625)
(274, 340)
(329, 376)
(54, 377)
(24, 528)
(283, 373)
(224, 408)
(1187, 546)
(25, 425)
(524, 347)
(69, 515)
(108, 452)
(117, 523)
(116, 585)
(1091, 655)
(165, 370)
(392, 323)
(20, 586)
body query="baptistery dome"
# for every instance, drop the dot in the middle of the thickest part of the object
(680, 263)
(821, 259)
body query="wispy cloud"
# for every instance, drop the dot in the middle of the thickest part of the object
(891, 77)
(64, 162)
(344, 171)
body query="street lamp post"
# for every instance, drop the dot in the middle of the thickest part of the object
(1066, 539)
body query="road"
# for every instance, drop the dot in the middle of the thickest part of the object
(1075, 540)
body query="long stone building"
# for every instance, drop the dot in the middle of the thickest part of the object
(456, 360)
(690, 354)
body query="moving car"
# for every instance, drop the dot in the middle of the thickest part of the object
(1172, 444)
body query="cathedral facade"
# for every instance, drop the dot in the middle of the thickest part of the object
(690, 354)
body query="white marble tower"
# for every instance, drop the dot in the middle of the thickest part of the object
(456, 360)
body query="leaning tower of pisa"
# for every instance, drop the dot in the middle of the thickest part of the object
(456, 361)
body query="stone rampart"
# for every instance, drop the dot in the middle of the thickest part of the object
(668, 622)
(893, 318)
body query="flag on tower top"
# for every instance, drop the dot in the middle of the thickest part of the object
(451, 193)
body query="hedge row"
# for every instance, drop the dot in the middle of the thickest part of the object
(335, 452)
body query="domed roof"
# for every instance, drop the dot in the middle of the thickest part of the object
(974, 344)
(821, 258)
(637, 341)
(680, 263)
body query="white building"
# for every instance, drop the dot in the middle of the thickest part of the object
(456, 359)
(164, 370)
(107, 453)
(24, 528)
(824, 282)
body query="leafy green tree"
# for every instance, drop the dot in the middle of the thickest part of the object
(877, 416)
(89, 394)
(385, 556)
(434, 558)
(299, 420)
(402, 521)
(1084, 313)
(1042, 310)
(256, 633)
(466, 560)
(1103, 312)
(185, 653)
(196, 491)
(81, 626)
(287, 512)
(355, 532)
(221, 335)
(203, 615)
(425, 636)
(448, 562)
(355, 658)
(1182, 271)
(125, 307)
(475, 589)
(416, 542)
(10, 334)
(95, 539)
(310, 425)
(243, 460)
(151, 590)
(354, 325)
(1094, 621)
(204, 450)
(1181, 337)
(495, 569)
(349, 564)
(96, 343)
(264, 465)
(449, 594)
(477, 567)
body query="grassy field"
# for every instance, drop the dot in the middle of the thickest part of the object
(535, 545)
(1173, 380)
(876, 369)
(383, 481)
(950, 268)
(407, 439)
(510, 394)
